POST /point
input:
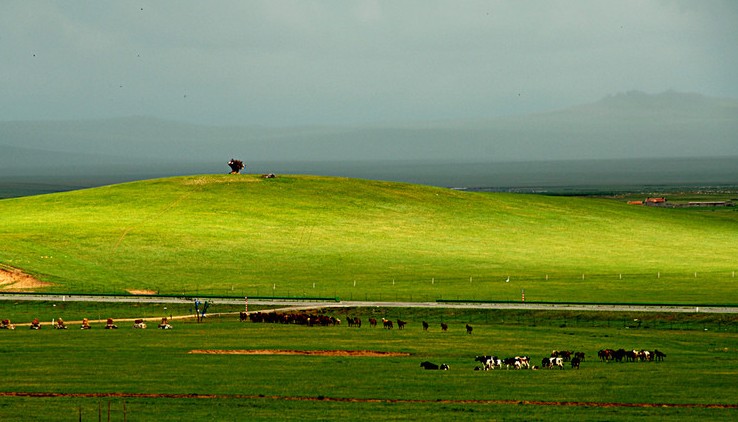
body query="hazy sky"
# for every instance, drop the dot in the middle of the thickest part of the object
(343, 62)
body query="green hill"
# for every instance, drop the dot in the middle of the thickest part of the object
(358, 239)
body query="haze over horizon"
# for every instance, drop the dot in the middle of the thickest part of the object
(422, 91)
(294, 63)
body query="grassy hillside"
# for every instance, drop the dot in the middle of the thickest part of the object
(302, 235)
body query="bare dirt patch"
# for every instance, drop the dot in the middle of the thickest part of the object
(13, 279)
(368, 400)
(142, 292)
(354, 353)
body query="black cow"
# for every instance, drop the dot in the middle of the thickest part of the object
(430, 365)
(469, 329)
(425, 326)
(575, 363)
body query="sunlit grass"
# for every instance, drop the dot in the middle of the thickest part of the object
(304, 235)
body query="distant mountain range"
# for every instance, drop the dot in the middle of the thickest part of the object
(623, 126)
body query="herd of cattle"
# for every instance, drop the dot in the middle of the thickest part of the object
(557, 360)
(325, 320)
(290, 318)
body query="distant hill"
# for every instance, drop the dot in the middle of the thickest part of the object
(309, 235)
(623, 126)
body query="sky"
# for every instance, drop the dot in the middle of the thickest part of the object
(291, 63)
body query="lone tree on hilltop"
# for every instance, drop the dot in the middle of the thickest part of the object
(235, 165)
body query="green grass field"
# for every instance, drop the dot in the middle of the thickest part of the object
(59, 374)
(356, 239)
(308, 236)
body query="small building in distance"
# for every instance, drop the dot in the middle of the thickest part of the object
(710, 204)
(659, 201)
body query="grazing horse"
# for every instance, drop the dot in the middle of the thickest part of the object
(619, 355)
(444, 326)
(425, 326)
(372, 322)
(60, 324)
(430, 365)
(564, 354)
(164, 325)
(658, 355)
(575, 363)
(401, 324)
(605, 354)
(35, 325)
(469, 329)
(388, 324)
(580, 356)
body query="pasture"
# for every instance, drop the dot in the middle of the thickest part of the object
(297, 236)
(152, 374)
(366, 240)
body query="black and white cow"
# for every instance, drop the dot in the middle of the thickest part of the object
(552, 362)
